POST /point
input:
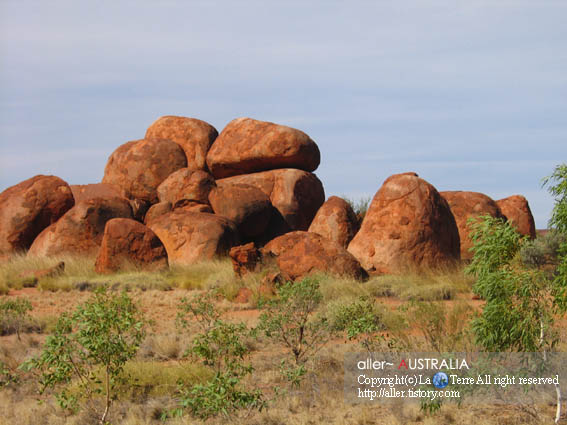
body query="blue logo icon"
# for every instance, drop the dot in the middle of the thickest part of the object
(440, 380)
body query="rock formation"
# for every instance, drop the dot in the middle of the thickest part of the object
(408, 226)
(27, 208)
(466, 205)
(336, 221)
(247, 146)
(517, 211)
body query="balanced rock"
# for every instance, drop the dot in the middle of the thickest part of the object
(190, 237)
(247, 146)
(137, 168)
(299, 254)
(407, 226)
(466, 205)
(127, 242)
(80, 230)
(193, 135)
(336, 221)
(247, 206)
(296, 196)
(27, 208)
(518, 212)
(186, 184)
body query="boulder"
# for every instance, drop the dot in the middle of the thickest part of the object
(157, 210)
(31, 278)
(336, 221)
(82, 192)
(80, 230)
(247, 206)
(247, 146)
(29, 207)
(407, 227)
(244, 258)
(517, 211)
(190, 237)
(126, 242)
(299, 254)
(193, 135)
(466, 205)
(186, 184)
(295, 194)
(137, 168)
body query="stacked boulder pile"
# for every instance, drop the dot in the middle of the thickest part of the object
(186, 193)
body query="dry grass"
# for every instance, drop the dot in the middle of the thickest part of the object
(154, 374)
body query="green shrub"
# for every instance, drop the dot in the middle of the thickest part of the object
(221, 346)
(90, 348)
(14, 315)
(289, 319)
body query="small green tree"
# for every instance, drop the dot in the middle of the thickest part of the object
(90, 348)
(517, 314)
(14, 314)
(289, 319)
(221, 346)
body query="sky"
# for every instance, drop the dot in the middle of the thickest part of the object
(471, 95)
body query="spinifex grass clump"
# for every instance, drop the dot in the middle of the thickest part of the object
(86, 355)
(14, 315)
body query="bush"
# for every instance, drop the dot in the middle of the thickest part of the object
(289, 319)
(14, 315)
(91, 346)
(220, 345)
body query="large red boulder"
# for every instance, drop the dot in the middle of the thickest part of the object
(193, 135)
(336, 221)
(299, 254)
(190, 237)
(80, 230)
(82, 192)
(247, 146)
(27, 208)
(127, 242)
(137, 168)
(517, 211)
(467, 205)
(408, 226)
(295, 194)
(247, 206)
(186, 184)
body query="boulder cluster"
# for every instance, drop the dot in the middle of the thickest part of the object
(186, 193)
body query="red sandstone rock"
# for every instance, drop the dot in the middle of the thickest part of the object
(466, 205)
(296, 195)
(82, 192)
(127, 242)
(517, 211)
(407, 226)
(190, 237)
(137, 168)
(244, 295)
(186, 184)
(244, 258)
(299, 254)
(336, 221)
(27, 208)
(193, 135)
(247, 206)
(248, 146)
(80, 230)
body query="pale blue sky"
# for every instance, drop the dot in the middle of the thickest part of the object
(471, 95)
